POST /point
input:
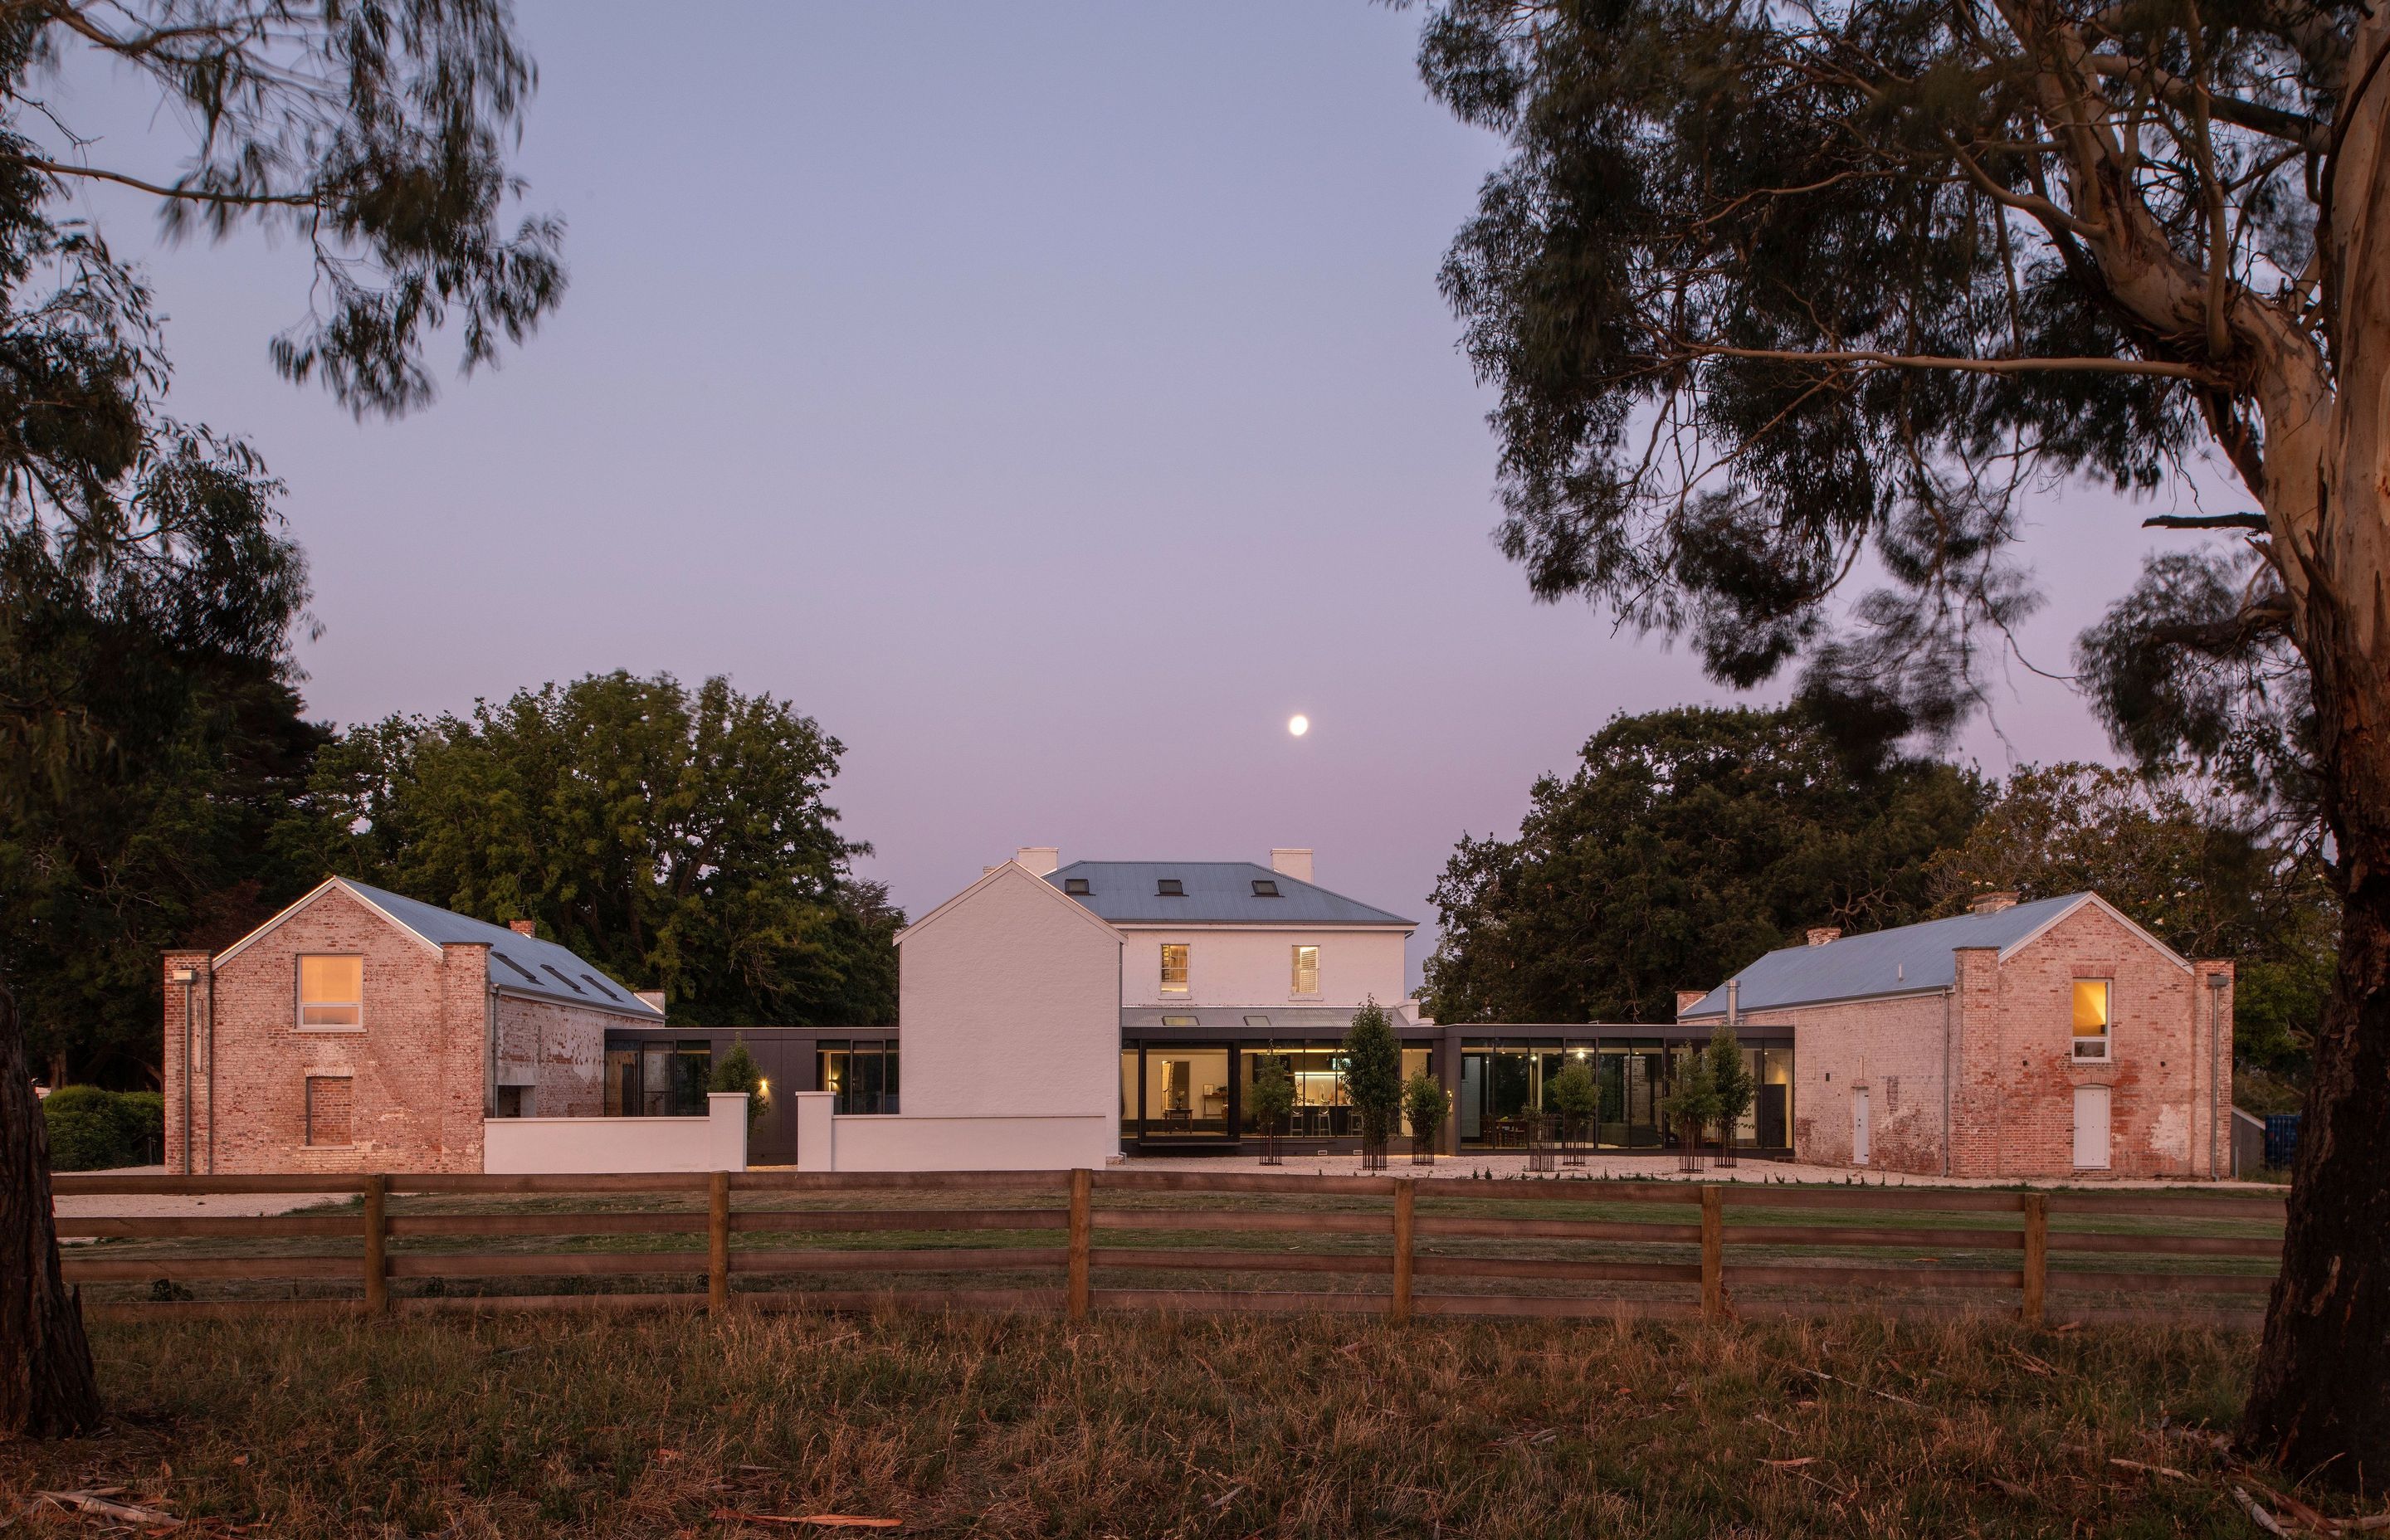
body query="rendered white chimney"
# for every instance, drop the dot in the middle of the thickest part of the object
(1040, 859)
(1291, 863)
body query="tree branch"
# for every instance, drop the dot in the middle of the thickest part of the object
(2272, 122)
(1970, 365)
(2206, 521)
(295, 200)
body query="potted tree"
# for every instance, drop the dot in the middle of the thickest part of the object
(1272, 1100)
(1573, 1095)
(1373, 1079)
(1731, 1080)
(1425, 1104)
(1690, 1106)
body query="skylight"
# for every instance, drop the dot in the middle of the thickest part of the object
(528, 976)
(1264, 887)
(1178, 1021)
(1074, 884)
(599, 985)
(1170, 887)
(550, 968)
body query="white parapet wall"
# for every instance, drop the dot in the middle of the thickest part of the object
(994, 1142)
(583, 1147)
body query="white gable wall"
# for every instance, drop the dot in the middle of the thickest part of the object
(1009, 1003)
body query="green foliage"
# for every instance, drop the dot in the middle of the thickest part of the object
(1425, 1106)
(1731, 1078)
(678, 837)
(1572, 1093)
(1272, 1097)
(736, 1071)
(2195, 869)
(1692, 1104)
(1373, 1070)
(1687, 842)
(93, 1129)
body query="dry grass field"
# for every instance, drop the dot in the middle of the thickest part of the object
(1154, 1425)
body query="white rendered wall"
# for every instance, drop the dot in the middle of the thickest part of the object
(910, 1142)
(583, 1147)
(1254, 967)
(1009, 1003)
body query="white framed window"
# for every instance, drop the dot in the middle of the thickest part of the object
(1306, 970)
(331, 992)
(1174, 967)
(2093, 1018)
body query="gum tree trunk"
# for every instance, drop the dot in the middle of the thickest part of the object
(46, 1386)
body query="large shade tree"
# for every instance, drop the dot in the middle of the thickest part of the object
(679, 838)
(149, 589)
(1773, 294)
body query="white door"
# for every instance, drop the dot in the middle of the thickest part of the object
(1860, 1126)
(2091, 1127)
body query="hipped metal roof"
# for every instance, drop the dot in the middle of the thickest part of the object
(1216, 892)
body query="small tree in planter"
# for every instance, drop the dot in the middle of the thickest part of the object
(737, 1072)
(1424, 1103)
(1731, 1078)
(1691, 1106)
(1272, 1100)
(1576, 1098)
(1373, 1079)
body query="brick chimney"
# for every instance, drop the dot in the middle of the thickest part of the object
(1688, 998)
(1290, 862)
(1039, 859)
(1992, 904)
(524, 927)
(1820, 934)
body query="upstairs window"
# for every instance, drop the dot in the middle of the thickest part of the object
(1074, 885)
(1173, 968)
(1306, 970)
(2092, 1018)
(1169, 887)
(331, 992)
(1264, 887)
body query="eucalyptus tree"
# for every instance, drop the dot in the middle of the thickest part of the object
(1776, 294)
(142, 553)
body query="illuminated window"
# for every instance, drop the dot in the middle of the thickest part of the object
(1306, 970)
(1173, 968)
(331, 992)
(2091, 1018)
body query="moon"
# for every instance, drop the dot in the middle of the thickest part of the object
(1298, 724)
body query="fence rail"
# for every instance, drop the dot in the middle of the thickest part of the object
(1165, 1240)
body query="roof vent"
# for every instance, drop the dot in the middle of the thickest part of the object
(1264, 887)
(524, 928)
(1992, 904)
(1169, 887)
(1820, 935)
(1074, 884)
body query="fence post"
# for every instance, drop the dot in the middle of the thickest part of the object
(1406, 1195)
(1083, 1182)
(1712, 1253)
(376, 1245)
(718, 1245)
(2037, 1255)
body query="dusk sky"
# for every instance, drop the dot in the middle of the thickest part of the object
(1051, 399)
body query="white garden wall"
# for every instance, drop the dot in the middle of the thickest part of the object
(904, 1142)
(583, 1147)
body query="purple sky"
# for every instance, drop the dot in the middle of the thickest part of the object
(1050, 399)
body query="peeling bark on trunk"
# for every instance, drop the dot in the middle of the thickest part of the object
(46, 1385)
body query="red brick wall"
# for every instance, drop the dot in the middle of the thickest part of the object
(415, 1067)
(558, 1051)
(2020, 1075)
(1892, 1048)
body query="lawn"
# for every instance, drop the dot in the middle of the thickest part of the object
(1156, 1425)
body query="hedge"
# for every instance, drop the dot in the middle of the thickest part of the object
(96, 1130)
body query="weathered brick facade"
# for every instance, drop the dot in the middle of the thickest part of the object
(2004, 1032)
(418, 1070)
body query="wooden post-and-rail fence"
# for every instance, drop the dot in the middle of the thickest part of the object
(1132, 1239)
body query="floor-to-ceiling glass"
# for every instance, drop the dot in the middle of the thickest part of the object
(1183, 1090)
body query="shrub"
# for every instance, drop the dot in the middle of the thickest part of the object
(1424, 1103)
(1373, 1071)
(736, 1071)
(1272, 1098)
(95, 1130)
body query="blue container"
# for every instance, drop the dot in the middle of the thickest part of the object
(2281, 1138)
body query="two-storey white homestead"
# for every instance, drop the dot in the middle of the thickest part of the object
(1018, 993)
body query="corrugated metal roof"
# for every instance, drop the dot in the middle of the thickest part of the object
(1903, 960)
(1217, 893)
(519, 964)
